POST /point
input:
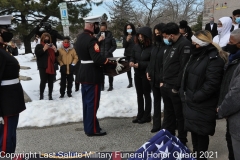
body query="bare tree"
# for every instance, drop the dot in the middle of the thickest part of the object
(148, 11)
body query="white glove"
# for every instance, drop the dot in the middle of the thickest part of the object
(1, 120)
(119, 66)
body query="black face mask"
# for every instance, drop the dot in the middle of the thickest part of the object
(158, 38)
(6, 36)
(46, 41)
(232, 48)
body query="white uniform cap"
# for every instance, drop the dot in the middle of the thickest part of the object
(92, 19)
(6, 21)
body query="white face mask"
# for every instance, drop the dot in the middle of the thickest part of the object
(219, 29)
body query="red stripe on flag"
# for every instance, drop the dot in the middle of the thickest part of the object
(95, 109)
(5, 131)
(116, 155)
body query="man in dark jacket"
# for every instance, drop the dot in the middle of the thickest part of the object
(234, 60)
(235, 20)
(212, 27)
(90, 75)
(174, 59)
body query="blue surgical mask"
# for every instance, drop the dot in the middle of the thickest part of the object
(166, 41)
(129, 30)
(237, 20)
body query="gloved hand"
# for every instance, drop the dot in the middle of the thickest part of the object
(118, 66)
(1, 120)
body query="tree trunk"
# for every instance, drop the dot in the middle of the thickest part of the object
(27, 44)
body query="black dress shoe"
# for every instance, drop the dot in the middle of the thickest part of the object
(129, 86)
(61, 96)
(69, 95)
(110, 89)
(50, 98)
(135, 120)
(155, 130)
(141, 121)
(101, 133)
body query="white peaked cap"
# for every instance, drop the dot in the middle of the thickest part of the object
(6, 20)
(92, 19)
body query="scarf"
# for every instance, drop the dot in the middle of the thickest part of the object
(51, 60)
(232, 57)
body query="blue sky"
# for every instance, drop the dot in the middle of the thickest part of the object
(100, 10)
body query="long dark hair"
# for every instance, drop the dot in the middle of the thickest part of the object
(147, 41)
(125, 29)
(184, 25)
(159, 27)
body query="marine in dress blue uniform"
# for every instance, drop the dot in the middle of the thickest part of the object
(90, 74)
(11, 92)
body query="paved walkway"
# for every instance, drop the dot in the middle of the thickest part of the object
(122, 135)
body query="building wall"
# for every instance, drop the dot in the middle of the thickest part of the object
(218, 9)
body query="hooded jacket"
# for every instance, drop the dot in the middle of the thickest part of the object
(142, 54)
(108, 45)
(223, 38)
(67, 57)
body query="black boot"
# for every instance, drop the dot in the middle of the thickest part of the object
(50, 97)
(130, 83)
(41, 96)
(110, 88)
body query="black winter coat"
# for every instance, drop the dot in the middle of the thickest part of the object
(200, 90)
(227, 77)
(141, 56)
(108, 45)
(42, 57)
(155, 64)
(128, 45)
(87, 49)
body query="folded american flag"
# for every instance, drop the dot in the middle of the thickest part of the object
(163, 146)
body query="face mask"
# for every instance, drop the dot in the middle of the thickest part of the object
(66, 45)
(232, 48)
(219, 29)
(6, 36)
(237, 20)
(46, 41)
(158, 38)
(166, 41)
(129, 30)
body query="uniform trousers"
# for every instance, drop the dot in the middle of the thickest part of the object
(90, 98)
(8, 135)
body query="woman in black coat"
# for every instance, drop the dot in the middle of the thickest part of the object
(153, 74)
(200, 89)
(128, 44)
(45, 53)
(107, 46)
(139, 60)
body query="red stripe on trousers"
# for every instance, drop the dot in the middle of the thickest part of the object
(5, 131)
(95, 109)
(116, 155)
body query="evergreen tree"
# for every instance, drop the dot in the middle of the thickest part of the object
(29, 13)
(121, 13)
(198, 26)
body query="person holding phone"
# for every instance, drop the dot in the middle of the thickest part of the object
(45, 53)
(107, 46)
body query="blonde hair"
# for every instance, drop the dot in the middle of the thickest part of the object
(206, 36)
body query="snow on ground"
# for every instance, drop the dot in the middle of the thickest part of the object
(121, 102)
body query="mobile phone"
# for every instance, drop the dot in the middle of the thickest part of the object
(50, 45)
(103, 34)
